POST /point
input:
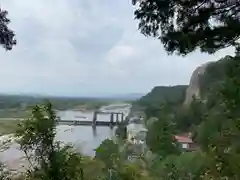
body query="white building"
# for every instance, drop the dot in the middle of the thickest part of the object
(136, 133)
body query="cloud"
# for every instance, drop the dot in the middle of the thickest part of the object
(91, 47)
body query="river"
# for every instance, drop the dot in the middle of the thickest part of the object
(84, 138)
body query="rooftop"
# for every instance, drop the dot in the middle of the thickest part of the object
(183, 139)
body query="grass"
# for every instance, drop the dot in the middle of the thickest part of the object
(8, 125)
(13, 113)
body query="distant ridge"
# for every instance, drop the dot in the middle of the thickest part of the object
(131, 96)
(162, 94)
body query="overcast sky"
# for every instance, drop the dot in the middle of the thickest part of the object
(86, 47)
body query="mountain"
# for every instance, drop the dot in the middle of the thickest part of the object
(124, 97)
(206, 78)
(162, 94)
(194, 85)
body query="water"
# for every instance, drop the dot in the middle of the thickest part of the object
(85, 138)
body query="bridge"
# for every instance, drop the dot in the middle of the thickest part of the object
(115, 119)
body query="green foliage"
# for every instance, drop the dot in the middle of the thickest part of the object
(93, 169)
(121, 131)
(184, 26)
(163, 94)
(189, 117)
(213, 76)
(4, 174)
(47, 159)
(187, 166)
(208, 130)
(160, 138)
(7, 36)
(215, 121)
(108, 152)
(131, 172)
(152, 111)
(219, 133)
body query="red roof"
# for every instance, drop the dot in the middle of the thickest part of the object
(183, 139)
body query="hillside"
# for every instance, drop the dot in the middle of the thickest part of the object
(194, 84)
(214, 75)
(204, 80)
(161, 94)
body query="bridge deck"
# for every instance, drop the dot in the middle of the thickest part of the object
(109, 112)
(87, 123)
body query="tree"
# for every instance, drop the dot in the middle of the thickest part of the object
(187, 118)
(183, 26)
(152, 111)
(48, 159)
(186, 166)
(7, 36)
(160, 137)
(225, 146)
(93, 169)
(121, 131)
(131, 171)
(218, 134)
(108, 152)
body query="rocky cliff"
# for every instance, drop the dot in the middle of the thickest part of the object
(203, 82)
(194, 85)
(206, 79)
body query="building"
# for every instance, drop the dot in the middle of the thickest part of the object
(136, 136)
(136, 133)
(186, 142)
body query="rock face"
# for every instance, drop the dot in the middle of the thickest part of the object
(193, 88)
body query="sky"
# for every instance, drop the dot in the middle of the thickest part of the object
(87, 48)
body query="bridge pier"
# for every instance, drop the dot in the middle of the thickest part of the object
(94, 129)
(117, 120)
(111, 118)
(94, 118)
(122, 117)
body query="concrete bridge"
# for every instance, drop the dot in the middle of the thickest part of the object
(115, 119)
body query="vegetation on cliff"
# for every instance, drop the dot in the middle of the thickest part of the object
(209, 81)
(213, 76)
(163, 94)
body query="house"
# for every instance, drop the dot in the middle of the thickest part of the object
(186, 142)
